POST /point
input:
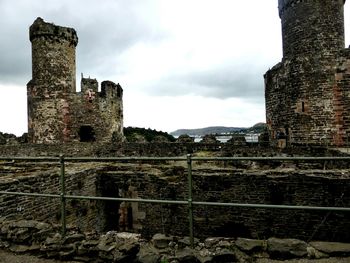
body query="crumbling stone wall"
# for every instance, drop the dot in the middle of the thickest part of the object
(136, 149)
(307, 93)
(43, 240)
(56, 113)
(288, 187)
(44, 178)
(287, 184)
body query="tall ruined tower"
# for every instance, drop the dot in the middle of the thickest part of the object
(56, 112)
(53, 80)
(308, 93)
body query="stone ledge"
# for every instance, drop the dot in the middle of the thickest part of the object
(332, 248)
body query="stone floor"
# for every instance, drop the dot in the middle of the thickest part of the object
(325, 260)
(7, 257)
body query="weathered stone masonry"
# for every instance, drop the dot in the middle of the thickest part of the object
(307, 93)
(44, 178)
(41, 239)
(315, 188)
(289, 186)
(56, 113)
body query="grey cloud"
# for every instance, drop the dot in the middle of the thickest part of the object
(15, 64)
(230, 81)
(113, 28)
(105, 30)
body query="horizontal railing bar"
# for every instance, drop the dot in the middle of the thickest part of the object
(179, 202)
(175, 202)
(111, 159)
(31, 194)
(38, 159)
(102, 198)
(276, 158)
(90, 159)
(292, 207)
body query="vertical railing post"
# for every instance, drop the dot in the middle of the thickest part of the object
(63, 195)
(190, 205)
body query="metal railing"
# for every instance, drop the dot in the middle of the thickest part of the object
(189, 202)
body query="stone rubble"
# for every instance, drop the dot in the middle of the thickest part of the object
(42, 239)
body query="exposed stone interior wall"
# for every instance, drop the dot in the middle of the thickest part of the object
(307, 92)
(44, 178)
(265, 182)
(313, 188)
(56, 113)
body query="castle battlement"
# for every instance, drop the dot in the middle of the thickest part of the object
(312, 27)
(56, 112)
(111, 90)
(88, 84)
(283, 5)
(307, 93)
(50, 31)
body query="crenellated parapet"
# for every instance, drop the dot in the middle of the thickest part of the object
(88, 84)
(283, 5)
(111, 90)
(56, 112)
(52, 32)
(53, 57)
(312, 27)
(307, 93)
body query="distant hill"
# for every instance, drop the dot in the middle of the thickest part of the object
(257, 128)
(135, 134)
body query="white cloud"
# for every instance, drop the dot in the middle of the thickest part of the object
(13, 109)
(165, 113)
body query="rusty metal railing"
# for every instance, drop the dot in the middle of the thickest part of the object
(189, 202)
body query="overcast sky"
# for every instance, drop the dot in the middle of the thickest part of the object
(181, 63)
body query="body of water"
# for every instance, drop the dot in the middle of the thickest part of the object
(224, 138)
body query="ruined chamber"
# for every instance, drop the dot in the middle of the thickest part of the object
(56, 112)
(307, 94)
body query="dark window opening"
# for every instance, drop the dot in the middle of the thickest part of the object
(276, 194)
(287, 130)
(302, 106)
(129, 218)
(108, 211)
(233, 229)
(86, 134)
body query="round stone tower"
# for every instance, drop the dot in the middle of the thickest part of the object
(53, 82)
(53, 55)
(307, 100)
(311, 26)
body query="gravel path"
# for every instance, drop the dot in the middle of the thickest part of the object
(7, 257)
(326, 260)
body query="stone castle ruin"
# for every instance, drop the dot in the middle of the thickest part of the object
(308, 92)
(307, 98)
(56, 112)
